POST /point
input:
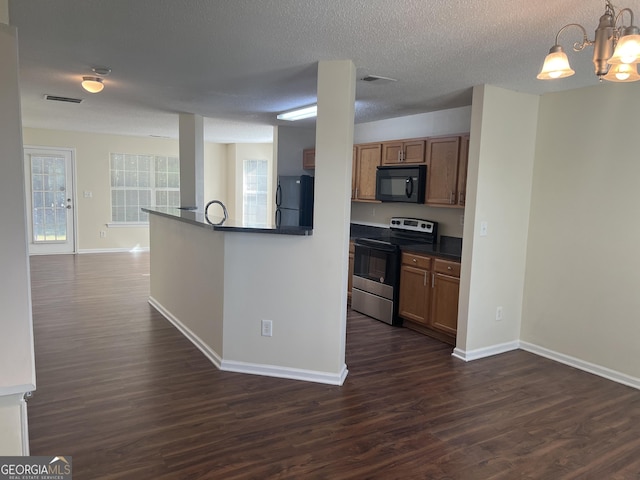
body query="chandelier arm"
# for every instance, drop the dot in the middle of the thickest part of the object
(620, 15)
(577, 46)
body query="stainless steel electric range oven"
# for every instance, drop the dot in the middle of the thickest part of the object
(376, 274)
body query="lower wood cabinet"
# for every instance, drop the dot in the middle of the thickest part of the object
(446, 289)
(415, 288)
(429, 290)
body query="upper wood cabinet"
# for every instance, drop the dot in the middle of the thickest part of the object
(443, 167)
(462, 170)
(367, 161)
(309, 158)
(403, 151)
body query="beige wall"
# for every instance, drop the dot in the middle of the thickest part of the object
(297, 282)
(583, 266)
(92, 153)
(187, 276)
(4, 11)
(503, 133)
(300, 283)
(236, 154)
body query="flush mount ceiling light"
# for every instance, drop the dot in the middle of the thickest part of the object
(299, 114)
(616, 50)
(94, 84)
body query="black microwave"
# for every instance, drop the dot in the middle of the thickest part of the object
(401, 184)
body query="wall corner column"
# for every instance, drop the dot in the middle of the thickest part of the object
(191, 131)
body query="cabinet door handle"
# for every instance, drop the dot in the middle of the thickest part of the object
(433, 280)
(399, 156)
(452, 198)
(415, 260)
(425, 279)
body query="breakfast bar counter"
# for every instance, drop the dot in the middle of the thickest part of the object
(198, 218)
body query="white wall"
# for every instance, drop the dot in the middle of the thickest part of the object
(503, 133)
(17, 367)
(583, 267)
(291, 141)
(453, 121)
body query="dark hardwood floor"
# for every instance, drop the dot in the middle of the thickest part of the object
(124, 393)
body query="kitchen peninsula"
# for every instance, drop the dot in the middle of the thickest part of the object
(217, 282)
(221, 286)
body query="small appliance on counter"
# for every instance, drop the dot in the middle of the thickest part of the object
(401, 184)
(294, 201)
(376, 273)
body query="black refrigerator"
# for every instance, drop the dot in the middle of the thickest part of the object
(294, 201)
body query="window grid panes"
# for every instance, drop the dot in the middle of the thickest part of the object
(142, 181)
(254, 192)
(48, 187)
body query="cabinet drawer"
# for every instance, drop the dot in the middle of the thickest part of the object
(416, 260)
(446, 267)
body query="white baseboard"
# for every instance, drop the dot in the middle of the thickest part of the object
(469, 355)
(192, 337)
(286, 372)
(113, 250)
(582, 365)
(250, 368)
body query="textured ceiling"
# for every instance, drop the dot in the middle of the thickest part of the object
(240, 62)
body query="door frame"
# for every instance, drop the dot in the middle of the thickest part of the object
(72, 190)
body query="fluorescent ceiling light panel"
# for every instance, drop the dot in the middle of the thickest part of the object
(299, 114)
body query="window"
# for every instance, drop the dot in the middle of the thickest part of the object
(254, 192)
(139, 181)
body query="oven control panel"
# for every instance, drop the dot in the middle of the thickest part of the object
(413, 225)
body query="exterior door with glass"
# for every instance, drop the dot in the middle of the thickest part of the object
(50, 200)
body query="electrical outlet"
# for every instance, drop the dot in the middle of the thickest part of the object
(499, 314)
(88, 194)
(373, 212)
(462, 219)
(484, 227)
(103, 234)
(267, 328)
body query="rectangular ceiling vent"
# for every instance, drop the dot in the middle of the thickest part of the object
(378, 79)
(56, 98)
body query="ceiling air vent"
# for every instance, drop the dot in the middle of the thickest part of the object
(378, 79)
(56, 98)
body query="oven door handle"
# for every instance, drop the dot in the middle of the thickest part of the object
(376, 244)
(408, 186)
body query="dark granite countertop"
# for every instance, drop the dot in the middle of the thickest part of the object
(196, 217)
(449, 248)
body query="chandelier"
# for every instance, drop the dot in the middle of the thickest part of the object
(616, 50)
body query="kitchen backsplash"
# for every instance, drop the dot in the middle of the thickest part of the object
(380, 214)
